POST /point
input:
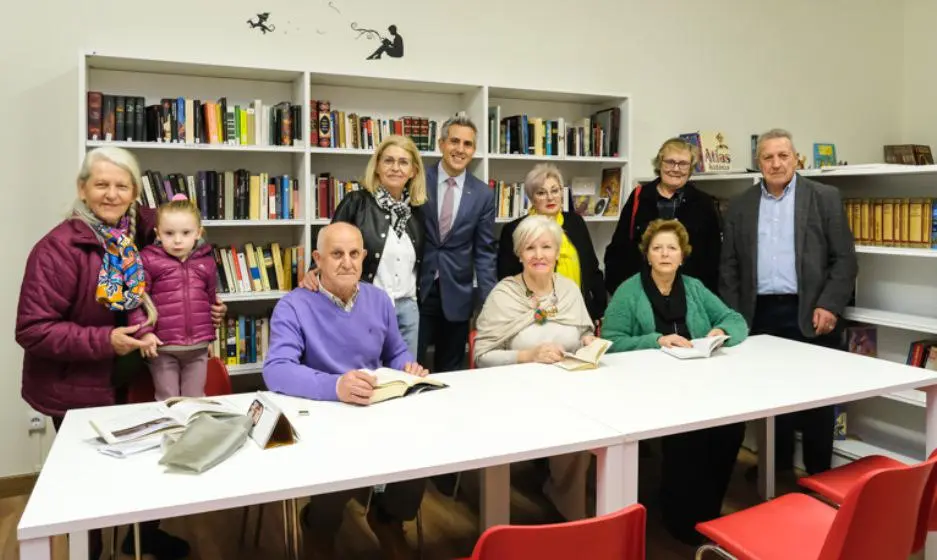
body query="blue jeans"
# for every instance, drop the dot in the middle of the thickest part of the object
(408, 321)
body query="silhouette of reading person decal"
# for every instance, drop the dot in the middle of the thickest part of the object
(393, 48)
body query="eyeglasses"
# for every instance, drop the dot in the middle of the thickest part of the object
(402, 163)
(552, 193)
(672, 163)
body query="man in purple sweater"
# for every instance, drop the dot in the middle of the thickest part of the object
(319, 344)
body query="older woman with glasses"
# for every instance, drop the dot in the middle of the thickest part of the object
(576, 260)
(671, 196)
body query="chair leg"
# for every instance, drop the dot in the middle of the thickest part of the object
(113, 543)
(713, 548)
(136, 542)
(455, 489)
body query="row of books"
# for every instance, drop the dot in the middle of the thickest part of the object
(893, 222)
(595, 135)
(227, 195)
(242, 339)
(126, 118)
(259, 268)
(335, 129)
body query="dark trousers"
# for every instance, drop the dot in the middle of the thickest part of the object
(448, 337)
(695, 471)
(399, 502)
(777, 315)
(95, 539)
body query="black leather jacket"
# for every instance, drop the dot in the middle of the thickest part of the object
(360, 208)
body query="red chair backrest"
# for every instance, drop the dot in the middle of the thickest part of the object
(217, 383)
(616, 536)
(471, 348)
(927, 519)
(879, 517)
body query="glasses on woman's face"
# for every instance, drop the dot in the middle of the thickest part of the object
(543, 194)
(681, 165)
(402, 163)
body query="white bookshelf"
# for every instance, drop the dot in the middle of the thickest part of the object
(380, 97)
(894, 292)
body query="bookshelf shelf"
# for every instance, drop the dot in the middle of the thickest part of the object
(896, 251)
(912, 397)
(252, 296)
(252, 223)
(581, 159)
(196, 147)
(245, 369)
(359, 152)
(852, 449)
(903, 321)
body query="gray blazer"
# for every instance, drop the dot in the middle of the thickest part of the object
(824, 247)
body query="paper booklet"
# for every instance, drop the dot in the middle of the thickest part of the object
(271, 427)
(171, 415)
(393, 383)
(702, 347)
(586, 357)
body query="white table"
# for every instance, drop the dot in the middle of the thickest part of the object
(648, 394)
(472, 425)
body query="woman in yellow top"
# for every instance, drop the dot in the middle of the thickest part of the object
(577, 260)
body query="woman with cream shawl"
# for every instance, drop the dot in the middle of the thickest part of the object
(534, 317)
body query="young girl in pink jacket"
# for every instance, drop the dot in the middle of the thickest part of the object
(181, 277)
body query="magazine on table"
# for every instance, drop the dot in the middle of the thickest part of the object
(171, 415)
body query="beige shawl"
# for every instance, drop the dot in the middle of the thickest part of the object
(508, 310)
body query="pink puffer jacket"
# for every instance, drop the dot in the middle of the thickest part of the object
(183, 292)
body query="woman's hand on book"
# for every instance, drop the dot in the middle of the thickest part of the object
(416, 369)
(587, 339)
(716, 332)
(548, 353)
(671, 340)
(356, 387)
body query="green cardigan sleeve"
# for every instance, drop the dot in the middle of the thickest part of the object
(721, 316)
(621, 324)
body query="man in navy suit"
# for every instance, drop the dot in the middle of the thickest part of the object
(460, 245)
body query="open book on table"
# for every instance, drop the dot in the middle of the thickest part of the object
(393, 383)
(586, 357)
(702, 347)
(171, 415)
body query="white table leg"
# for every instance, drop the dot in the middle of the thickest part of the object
(78, 545)
(496, 496)
(36, 549)
(616, 477)
(766, 476)
(930, 438)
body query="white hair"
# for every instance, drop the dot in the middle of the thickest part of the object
(532, 227)
(119, 157)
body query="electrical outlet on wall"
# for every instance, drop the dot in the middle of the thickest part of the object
(37, 423)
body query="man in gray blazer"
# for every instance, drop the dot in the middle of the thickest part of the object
(789, 267)
(460, 246)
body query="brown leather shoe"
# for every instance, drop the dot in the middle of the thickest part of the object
(391, 536)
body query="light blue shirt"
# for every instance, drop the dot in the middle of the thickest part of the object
(777, 269)
(441, 188)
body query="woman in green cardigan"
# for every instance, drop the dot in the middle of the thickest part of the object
(661, 307)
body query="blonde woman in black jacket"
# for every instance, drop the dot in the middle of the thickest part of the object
(388, 211)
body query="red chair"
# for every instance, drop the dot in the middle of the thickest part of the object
(835, 484)
(877, 521)
(615, 536)
(471, 348)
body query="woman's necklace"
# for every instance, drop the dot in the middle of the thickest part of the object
(541, 312)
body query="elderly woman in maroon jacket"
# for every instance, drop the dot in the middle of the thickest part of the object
(81, 280)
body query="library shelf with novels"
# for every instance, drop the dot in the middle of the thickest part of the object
(267, 153)
(891, 213)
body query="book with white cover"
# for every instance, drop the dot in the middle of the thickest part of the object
(702, 347)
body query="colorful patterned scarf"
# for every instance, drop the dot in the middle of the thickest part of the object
(120, 281)
(399, 209)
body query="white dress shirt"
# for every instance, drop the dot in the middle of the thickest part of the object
(396, 271)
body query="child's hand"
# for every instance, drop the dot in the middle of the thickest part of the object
(150, 342)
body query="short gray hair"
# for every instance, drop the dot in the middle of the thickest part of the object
(458, 120)
(533, 227)
(774, 134)
(539, 175)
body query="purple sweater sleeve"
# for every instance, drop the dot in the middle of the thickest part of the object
(283, 370)
(395, 353)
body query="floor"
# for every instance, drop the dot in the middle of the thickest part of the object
(449, 525)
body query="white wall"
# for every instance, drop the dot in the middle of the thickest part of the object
(827, 71)
(920, 82)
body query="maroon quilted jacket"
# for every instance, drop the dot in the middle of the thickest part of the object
(65, 334)
(183, 292)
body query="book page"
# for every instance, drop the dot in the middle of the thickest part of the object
(593, 352)
(702, 347)
(184, 410)
(388, 375)
(135, 424)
